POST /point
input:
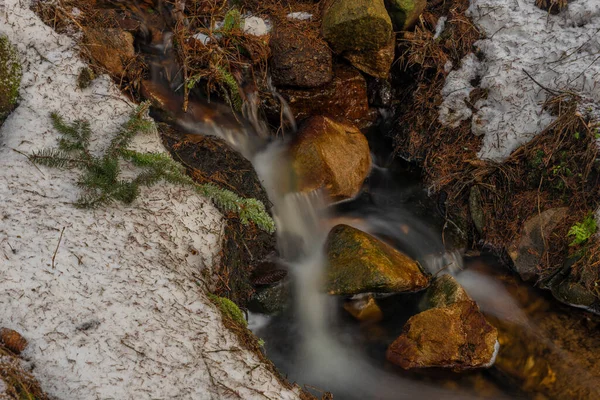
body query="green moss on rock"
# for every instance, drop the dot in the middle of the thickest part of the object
(10, 77)
(404, 13)
(229, 309)
(356, 25)
(360, 263)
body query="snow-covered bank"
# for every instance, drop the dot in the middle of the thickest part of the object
(561, 52)
(111, 306)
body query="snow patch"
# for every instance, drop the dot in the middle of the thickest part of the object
(456, 92)
(439, 27)
(202, 38)
(561, 52)
(111, 300)
(256, 26)
(301, 16)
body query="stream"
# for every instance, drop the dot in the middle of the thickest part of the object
(315, 343)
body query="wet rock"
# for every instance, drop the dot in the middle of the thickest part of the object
(356, 25)
(379, 92)
(443, 292)
(10, 77)
(526, 253)
(345, 96)
(271, 300)
(456, 336)
(299, 59)
(405, 13)
(112, 49)
(331, 155)
(361, 263)
(376, 63)
(364, 308)
(573, 294)
(476, 208)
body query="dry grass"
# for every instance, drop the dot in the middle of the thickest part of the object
(552, 6)
(20, 385)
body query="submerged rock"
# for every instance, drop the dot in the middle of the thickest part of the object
(361, 263)
(455, 336)
(344, 97)
(364, 309)
(526, 253)
(377, 62)
(10, 77)
(111, 48)
(555, 354)
(356, 25)
(299, 59)
(405, 13)
(331, 155)
(574, 294)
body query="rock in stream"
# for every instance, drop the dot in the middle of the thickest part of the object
(450, 333)
(361, 263)
(331, 155)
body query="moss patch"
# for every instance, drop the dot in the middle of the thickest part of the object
(229, 309)
(10, 78)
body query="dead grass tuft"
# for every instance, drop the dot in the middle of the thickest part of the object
(552, 6)
(20, 384)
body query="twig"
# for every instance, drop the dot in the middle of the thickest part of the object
(552, 92)
(57, 246)
(29, 159)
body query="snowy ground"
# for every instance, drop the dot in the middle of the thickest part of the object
(112, 310)
(561, 52)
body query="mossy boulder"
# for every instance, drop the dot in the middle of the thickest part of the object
(329, 154)
(10, 77)
(356, 25)
(361, 263)
(405, 13)
(376, 63)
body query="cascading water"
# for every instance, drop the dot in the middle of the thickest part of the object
(322, 354)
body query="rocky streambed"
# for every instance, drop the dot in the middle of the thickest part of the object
(354, 78)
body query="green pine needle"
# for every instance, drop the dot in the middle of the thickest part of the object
(100, 176)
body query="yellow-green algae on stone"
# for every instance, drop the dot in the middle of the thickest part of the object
(360, 263)
(10, 77)
(356, 25)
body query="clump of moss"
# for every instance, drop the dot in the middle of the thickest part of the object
(85, 78)
(229, 309)
(10, 78)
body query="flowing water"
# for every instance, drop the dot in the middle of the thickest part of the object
(313, 343)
